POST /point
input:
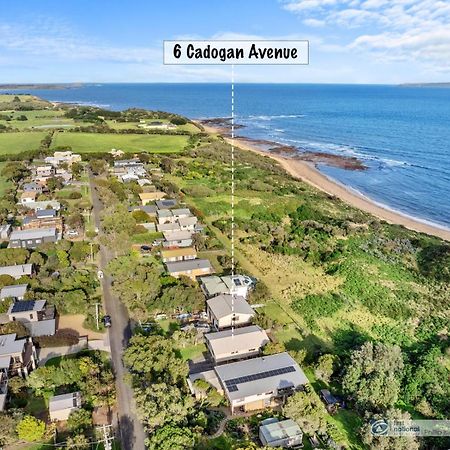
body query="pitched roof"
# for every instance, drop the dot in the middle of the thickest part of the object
(237, 340)
(173, 253)
(26, 305)
(189, 264)
(177, 235)
(65, 401)
(279, 430)
(168, 227)
(166, 203)
(226, 304)
(36, 233)
(226, 284)
(17, 270)
(13, 291)
(10, 344)
(259, 375)
(28, 194)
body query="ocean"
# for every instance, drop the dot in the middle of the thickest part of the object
(401, 133)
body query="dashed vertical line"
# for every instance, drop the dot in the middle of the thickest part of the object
(232, 198)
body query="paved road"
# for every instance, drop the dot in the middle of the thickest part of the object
(131, 431)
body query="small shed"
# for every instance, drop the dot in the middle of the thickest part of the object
(60, 406)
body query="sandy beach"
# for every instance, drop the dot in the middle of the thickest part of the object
(308, 173)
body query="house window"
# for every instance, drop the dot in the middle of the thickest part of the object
(31, 316)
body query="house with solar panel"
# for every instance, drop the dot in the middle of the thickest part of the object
(38, 318)
(225, 311)
(260, 383)
(226, 284)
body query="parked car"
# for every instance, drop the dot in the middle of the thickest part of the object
(72, 233)
(100, 274)
(107, 321)
(145, 248)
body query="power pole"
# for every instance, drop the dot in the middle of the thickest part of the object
(91, 244)
(107, 439)
(96, 314)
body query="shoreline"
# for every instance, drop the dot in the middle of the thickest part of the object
(306, 172)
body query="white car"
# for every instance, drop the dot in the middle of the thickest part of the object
(72, 233)
(100, 274)
(96, 229)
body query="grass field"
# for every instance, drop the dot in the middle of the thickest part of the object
(92, 143)
(38, 119)
(13, 143)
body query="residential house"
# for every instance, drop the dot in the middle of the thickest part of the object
(45, 204)
(259, 383)
(238, 343)
(45, 220)
(147, 197)
(280, 433)
(144, 182)
(32, 238)
(228, 284)
(191, 268)
(17, 356)
(227, 310)
(44, 171)
(188, 223)
(168, 227)
(17, 271)
(116, 153)
(5, 231)
(128, 177)
(33, 187)
(149, 209)
(35, 315)
(127, 163)
(178, 254)
(166, 203)
(177, 239)
(28, 197)
(61, 406)
(64, 174)
(59, 158)
(14, 291)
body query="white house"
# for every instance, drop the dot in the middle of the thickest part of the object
(239, 343)
(260, 383)
(61, 406)
(236, 284)
(229, 310)
(280, 434)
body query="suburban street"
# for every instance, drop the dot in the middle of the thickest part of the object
(131, 431)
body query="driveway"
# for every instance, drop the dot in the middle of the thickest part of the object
(131, 431)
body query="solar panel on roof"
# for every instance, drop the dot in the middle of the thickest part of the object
(22, 306)
(231, 383)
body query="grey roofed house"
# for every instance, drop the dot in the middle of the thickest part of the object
(17, 271)
(225, 309)
(181, 212)
(41, 327)
(187, 221)
(10, 344)
(43, 205)
(284, 433)
(149, 209)
(164, 213)
(32, 186)
(60, 406)
(254, 383)
(128, 162)
(167, 203)
(216, 285)
(16, 291)
(168, 227)
(44, 213)
(178, 236)
(189, 265)
(238, 343)
(32, 238)
(26, 306)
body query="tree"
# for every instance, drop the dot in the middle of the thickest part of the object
(326, 365)
(55, 183)
(97, 166)
(79, 441)
(273, 347)
(373, 376)
(307, 410)
(30, 429)
(155, 358)
(75, 220)
(16, 384)
(140, 216)
(160, 404)
(15, 171)
(387, 442)
(171, 438)
(8, 423)
(77, 169)
(79, 420)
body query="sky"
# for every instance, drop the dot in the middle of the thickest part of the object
(351, 41)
